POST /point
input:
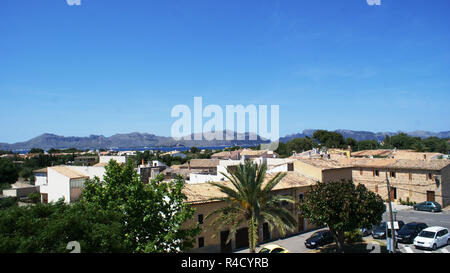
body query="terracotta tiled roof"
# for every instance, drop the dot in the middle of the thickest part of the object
(250, 152)
(68, 172)
(222, 154)
(412, 155)
(43, 170)
(202, 192)
(204, 163)
(323, 164)
(380, 152)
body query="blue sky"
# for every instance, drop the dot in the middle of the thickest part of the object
(111, 66)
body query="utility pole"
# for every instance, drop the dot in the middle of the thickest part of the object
(391, 215)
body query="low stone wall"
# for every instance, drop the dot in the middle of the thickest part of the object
(20, 192)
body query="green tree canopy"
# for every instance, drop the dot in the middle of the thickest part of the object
(296, 144)
(329, 139)
(368, 145)
(36, 151)
(48, 228)
(9, 172)
(343, 207)
(153, 214)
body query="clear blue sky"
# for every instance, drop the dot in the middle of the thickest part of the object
(111, 66)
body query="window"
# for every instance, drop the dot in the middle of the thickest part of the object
(201, 242)
(429, 176)
(360, 171)
(392, 174)
(44, 198)
(76, 183)
(290, 167)
(377, 173)
(200, 218)
(231, 169)
(301, 197)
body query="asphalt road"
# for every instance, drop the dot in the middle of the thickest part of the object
(295, 244)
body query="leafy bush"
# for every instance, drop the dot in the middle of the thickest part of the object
(7, 202)
(353, 236)
(34, 197)
(407, 202)
(4, 186)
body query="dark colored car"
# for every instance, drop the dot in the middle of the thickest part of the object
(367, 231)
(380, 231)
(409, 231)
(428, 206)
(319, 238)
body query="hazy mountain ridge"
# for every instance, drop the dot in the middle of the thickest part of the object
(367, 135)
(141, 140)
(131, 140)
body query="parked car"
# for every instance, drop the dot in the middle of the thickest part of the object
(428, 206)
(432, 238)
(409, 231)
(380, 231)
(319, 238)
(367, 231)
(273, 249)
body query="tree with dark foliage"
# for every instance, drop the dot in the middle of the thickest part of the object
(343, 207)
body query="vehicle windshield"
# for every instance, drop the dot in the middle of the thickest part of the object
(408, 228)
(264, 250)
(317, 234)
(278, 250)
(427, 234)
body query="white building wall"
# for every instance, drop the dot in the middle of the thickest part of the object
(117, 158)
(280, 168)
(90, 171)
(41, 179)
(203, 178)
(58, 186)
(156, 163)
(43, 189)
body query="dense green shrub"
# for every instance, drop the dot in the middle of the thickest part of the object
(353, 236)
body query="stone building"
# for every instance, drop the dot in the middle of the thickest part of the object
(416, 180)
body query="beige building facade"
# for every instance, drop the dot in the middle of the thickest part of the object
(211, 240)
(413, 180)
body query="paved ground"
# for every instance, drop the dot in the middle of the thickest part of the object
(407, 215)
(295, 244)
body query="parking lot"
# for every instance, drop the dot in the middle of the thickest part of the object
(295, 244)
(407, 215)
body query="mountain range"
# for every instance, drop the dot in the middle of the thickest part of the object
(131, 140)
(367, 135)
(142, 140)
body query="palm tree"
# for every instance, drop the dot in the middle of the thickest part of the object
(251, 202)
